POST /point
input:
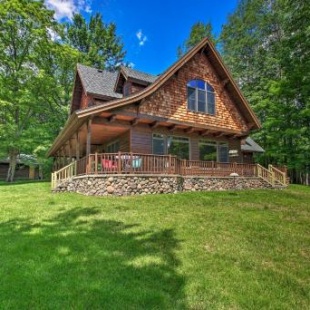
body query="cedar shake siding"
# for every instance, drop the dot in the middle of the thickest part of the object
(170, 101)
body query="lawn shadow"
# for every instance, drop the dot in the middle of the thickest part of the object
(79, 260)
(23, 182)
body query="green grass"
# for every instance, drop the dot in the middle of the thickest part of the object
(216, 250)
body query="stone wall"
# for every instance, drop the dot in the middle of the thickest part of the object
(128, 185)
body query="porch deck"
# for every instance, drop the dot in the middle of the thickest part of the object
(150, 164)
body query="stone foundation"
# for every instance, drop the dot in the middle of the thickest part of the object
(128, 185)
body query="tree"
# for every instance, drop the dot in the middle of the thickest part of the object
(198, 31)
(96, 41)
(24, 31)
(266, 46)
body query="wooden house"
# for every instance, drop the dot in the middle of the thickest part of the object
(193, 113)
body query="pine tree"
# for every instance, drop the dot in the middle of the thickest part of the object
(97, 42)
(266, 44)
(198, 31)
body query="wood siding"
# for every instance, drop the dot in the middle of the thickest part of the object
(170, 101)
(141, 141)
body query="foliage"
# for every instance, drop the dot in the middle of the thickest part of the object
(266, 45)
(23, 34)
(198, 31)
(37, 67)
(96, 41)
(215, 250)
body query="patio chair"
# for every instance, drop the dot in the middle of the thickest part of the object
(136, 163)
(108, 165)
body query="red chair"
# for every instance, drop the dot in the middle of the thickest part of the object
(108, 164)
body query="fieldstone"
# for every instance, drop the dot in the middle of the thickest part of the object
(110, 189)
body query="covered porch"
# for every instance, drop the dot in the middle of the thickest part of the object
(129, 164)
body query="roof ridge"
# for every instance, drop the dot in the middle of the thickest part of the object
(139, 71)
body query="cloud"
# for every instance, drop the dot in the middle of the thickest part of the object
(141, 37)
(65, 9)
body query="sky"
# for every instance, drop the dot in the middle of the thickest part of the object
(150, 30)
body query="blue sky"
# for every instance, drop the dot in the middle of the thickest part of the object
(151, 31)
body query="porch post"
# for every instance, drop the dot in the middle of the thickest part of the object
(70, 150)
(57, 160)
(63, 156)
(77, 148)
(88, 141)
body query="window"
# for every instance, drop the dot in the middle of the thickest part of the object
(113, 147)
(223, 153)
(200, 97)
(127, 89)
(173, 145)
(178, 146)
(158, 144)
(213, 151)
(208, 150)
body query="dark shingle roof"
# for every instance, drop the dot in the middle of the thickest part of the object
(138, 75)
(99, 82)
(251, 146)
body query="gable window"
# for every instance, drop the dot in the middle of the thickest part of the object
(200, 97)
(213, 151)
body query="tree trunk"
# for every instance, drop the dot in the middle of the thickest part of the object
(12, 167)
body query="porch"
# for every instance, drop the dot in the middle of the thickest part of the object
(124, 163)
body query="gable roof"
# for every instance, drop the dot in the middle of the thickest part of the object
(205, 46)
(101, 83)
(251, 146)
(98, 82)
(138, 75)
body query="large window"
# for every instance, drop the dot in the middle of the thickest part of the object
(178, 146)
(213, 151)
(158, 144)
(173, 145)
(200, 97)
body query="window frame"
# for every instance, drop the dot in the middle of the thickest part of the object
(207, 92)
(166, 140)
(114, 146)
(218, 145)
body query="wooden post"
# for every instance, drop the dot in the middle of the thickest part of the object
(119, 162)
(63, 159)
(77, 146)
(88, 140)
(96, 163)
(70, 150)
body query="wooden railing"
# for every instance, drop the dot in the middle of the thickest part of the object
(278, 176)
(265, 174)
(136, 163)
(64, 174)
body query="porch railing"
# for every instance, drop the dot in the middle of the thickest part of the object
(279, 176)
(136, 163)
(64, 174)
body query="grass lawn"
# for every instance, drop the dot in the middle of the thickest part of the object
(215, 250)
